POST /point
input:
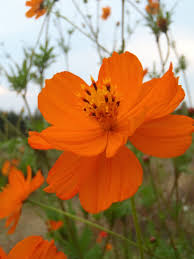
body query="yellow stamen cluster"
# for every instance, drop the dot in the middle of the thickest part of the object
(101, 103)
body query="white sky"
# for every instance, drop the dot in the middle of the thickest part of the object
(16, 31)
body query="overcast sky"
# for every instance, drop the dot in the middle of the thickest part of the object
(16, 32)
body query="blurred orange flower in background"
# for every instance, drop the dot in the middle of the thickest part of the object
(106, 11)
(37, 9)
(109, 247)
(100, 236)
(33, 247)
(8, 165)
(92, 124)
(15, 193)
(152, 7)
(54, 225)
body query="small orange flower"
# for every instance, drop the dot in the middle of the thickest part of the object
(54, 225)
(92, 123)
(152, 7)
(33, 247)
(37, 8)
(106, 11)
(8, 165)
(108, 247)
(17, 191)
(101, 235)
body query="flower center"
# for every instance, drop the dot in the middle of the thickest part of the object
(101, 103)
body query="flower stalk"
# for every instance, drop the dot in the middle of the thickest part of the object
(137, 228)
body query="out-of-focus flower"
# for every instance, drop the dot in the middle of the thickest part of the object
(108, 247)
(15, 193)
(54, 225)
(163, 24)
(100, 236)
(92, 124)
(33, 247)
(37, 8)
(106, 11)
(8, 165)
(152, 7)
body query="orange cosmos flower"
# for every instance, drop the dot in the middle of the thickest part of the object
(92, 123)
(54, 225)
(33, 247)
(106, 11)
(36, 8)
(8, 165)
(17, 191)
(152, 7)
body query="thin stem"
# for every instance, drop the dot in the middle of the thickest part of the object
(184, 76)
(160, 52)
(83, 32)
(11, 125)
(126, 234)
(71, 231)
(84, 17)
(27, 106)
(137, 228)
(136, 8)
(176, 178)
(168, 49)
(160, 196)
(122, 26)
(92, 224)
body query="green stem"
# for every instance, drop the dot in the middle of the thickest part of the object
(71, 231)
(137, 228)
(11, 125)
(92, 224)
(83, 32)
(122, 26)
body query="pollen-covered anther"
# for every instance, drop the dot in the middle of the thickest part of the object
(101, 102)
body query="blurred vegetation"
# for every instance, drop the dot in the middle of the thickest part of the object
(164, 201)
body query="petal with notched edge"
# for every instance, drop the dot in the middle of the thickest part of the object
(166, 137)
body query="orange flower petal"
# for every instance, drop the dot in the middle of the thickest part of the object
(58, 102)
(115, 141)
(67, 173)
(13, 195)
(40, 13)
(126, 74)
(29, 3)
(6, 168)
(37, 181)
(161, 96)
(30, 13)
(35, 140)
(2, 254)
(35, 247)
(166, 137)
(114, 179)
(25, 248)
(54, 225)
(88, 142)
(13, 218)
